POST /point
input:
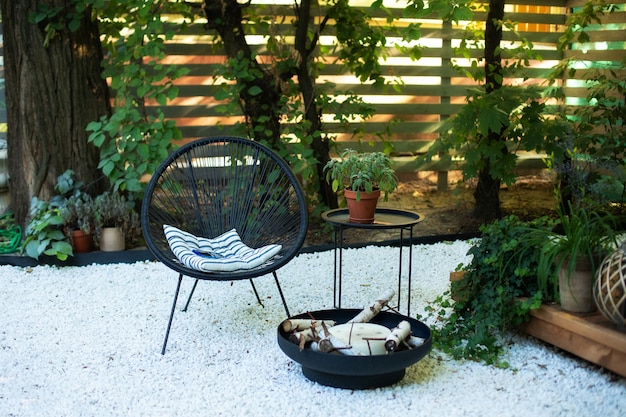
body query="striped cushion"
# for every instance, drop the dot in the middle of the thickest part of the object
(224, 253)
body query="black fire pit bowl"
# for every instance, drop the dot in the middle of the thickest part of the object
(356, 372)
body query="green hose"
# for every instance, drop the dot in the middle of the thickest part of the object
(10, 234)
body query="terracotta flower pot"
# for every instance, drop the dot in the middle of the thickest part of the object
(362, 211)
(81, 241)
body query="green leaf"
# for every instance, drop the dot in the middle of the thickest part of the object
(255, 90)
(108, 168)
(97, 138)
(161, 99)
(74, 24)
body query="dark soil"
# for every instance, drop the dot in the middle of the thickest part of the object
(447, 213)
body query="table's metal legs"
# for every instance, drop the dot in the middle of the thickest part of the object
(337, 272)
(408, 299)
(338, 267)
(400, 268)
(410, 271)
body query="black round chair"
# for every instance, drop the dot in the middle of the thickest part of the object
(213, 185)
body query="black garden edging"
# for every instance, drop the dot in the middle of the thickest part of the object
(143, 254)
(81, 259)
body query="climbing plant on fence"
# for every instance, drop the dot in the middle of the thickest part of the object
(133, 140)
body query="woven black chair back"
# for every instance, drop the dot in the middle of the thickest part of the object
(212, 185)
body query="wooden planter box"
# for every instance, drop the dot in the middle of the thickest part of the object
(588, 336)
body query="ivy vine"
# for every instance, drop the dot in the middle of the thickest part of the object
(497, 292)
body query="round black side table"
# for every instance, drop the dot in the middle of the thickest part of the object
(385, 218)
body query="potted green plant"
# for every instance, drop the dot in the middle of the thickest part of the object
(79, 220)
(48, 221)
(585, 230)
(44, 233)
(583, 235)
(115, 217)
(363, 176)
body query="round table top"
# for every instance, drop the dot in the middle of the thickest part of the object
(385, 218)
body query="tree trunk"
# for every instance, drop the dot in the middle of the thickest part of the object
(52, 93)
(487, 197)
(260, 109)
(487, 194)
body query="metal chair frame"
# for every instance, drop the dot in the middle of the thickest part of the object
(215, 184)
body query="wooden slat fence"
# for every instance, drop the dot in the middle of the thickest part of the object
(432, 90)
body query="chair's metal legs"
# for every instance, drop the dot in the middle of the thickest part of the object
(280, 291)
(180, 280)
(169, 324)
(256, 293)
(195, 284)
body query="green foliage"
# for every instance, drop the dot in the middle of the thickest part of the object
(78, 213)
(358, 42)
(591, 138)
(362, 172)
(453, 10)
(584, 230)
(283, 90)
(591, 11)
(519, 117)
(112, 209)
(512, 114)
(591, 133)
(10, 233)
(44, 233)
(488, 300)
(132, 141)
(59, 18)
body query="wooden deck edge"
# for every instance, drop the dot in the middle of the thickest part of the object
(592, 326)
(584, 336)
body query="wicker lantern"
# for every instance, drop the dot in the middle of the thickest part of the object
(609, 289)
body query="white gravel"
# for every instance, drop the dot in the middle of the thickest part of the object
(85, 341)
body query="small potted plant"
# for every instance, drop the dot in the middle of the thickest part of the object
(363, 176)
(50, 223)
(79, 221)
(582, 236)
(585, 230)
(44, 232)
(115, 217)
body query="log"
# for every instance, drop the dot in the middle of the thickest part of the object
(414, 342)
(329, 343)
(304, 331)
(370, 312)
(295, 325)
(304, 337)
(398, 334)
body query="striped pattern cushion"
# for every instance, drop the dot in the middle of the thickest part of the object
(224, 253)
